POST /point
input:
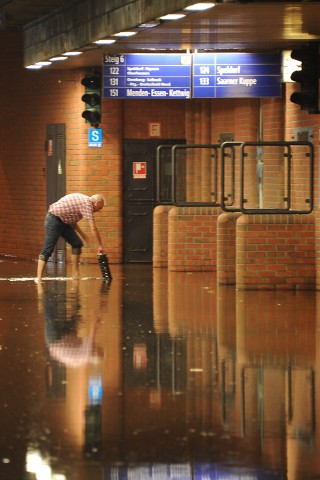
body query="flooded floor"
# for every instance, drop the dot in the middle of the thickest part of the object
(155, 375)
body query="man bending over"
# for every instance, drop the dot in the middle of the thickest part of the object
(62, 221)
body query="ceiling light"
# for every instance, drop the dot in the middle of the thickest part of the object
(106, 41)
(172, 16)
(125, 34)
(72, 54)
(57, 59)
(34, 67)
(148, 24)
(43, 64)
(196, 7)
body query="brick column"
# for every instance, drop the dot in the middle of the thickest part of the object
(317, 247)
(226, 248)
(192, 238)
(160, 235)
(275, 251)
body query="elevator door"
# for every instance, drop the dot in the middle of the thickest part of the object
(140, 197)
(56, 175)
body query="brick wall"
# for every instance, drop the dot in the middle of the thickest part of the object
(138, 114)
(32, 99)
(296, 118)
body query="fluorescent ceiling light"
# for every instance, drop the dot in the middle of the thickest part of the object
(125, 34)
(57, 59)
(72, 54)
(106, 41)
(34, 67)
(172, 16)
(148, 25)
(289, 65)
(43, 64)
(200, 6)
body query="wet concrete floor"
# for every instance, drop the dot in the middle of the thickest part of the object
(155, 375)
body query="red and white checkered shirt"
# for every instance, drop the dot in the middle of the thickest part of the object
(72, 208)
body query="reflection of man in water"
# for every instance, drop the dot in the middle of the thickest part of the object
(69, 344)
(61, 333)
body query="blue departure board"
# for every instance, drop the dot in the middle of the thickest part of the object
(236, 75)
(147, 76)
(197, 75)
(184, 471)
(215, 471)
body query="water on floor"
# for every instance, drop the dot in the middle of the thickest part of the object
(155, 375)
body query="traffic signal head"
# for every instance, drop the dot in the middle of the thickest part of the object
(307, 77)
(92, 82)
(92, 99)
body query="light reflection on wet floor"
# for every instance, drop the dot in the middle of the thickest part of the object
(155, 375)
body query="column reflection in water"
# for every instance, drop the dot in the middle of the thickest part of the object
(226, 354)
(169, 376)
(303, 442)
(189, 411)
(275, 373)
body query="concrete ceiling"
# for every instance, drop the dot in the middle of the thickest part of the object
(20, 12)
(230, 25)
(259, 26)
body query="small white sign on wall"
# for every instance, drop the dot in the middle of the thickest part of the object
(155, 129)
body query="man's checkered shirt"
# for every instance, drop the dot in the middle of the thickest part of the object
(72, 208)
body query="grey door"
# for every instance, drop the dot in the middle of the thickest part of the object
(56, 174)
(140, 197)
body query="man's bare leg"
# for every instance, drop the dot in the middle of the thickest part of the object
(41, 265)
(75, 259)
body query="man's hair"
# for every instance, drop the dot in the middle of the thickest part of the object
(97, 198)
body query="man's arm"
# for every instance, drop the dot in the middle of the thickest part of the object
(83, 235)
(96, 233)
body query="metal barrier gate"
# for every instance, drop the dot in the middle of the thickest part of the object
(273, 177)
(247, 177)
(194, 174)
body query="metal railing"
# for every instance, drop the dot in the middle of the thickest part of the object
(247, 177)
(182, 159)
(287, 169)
